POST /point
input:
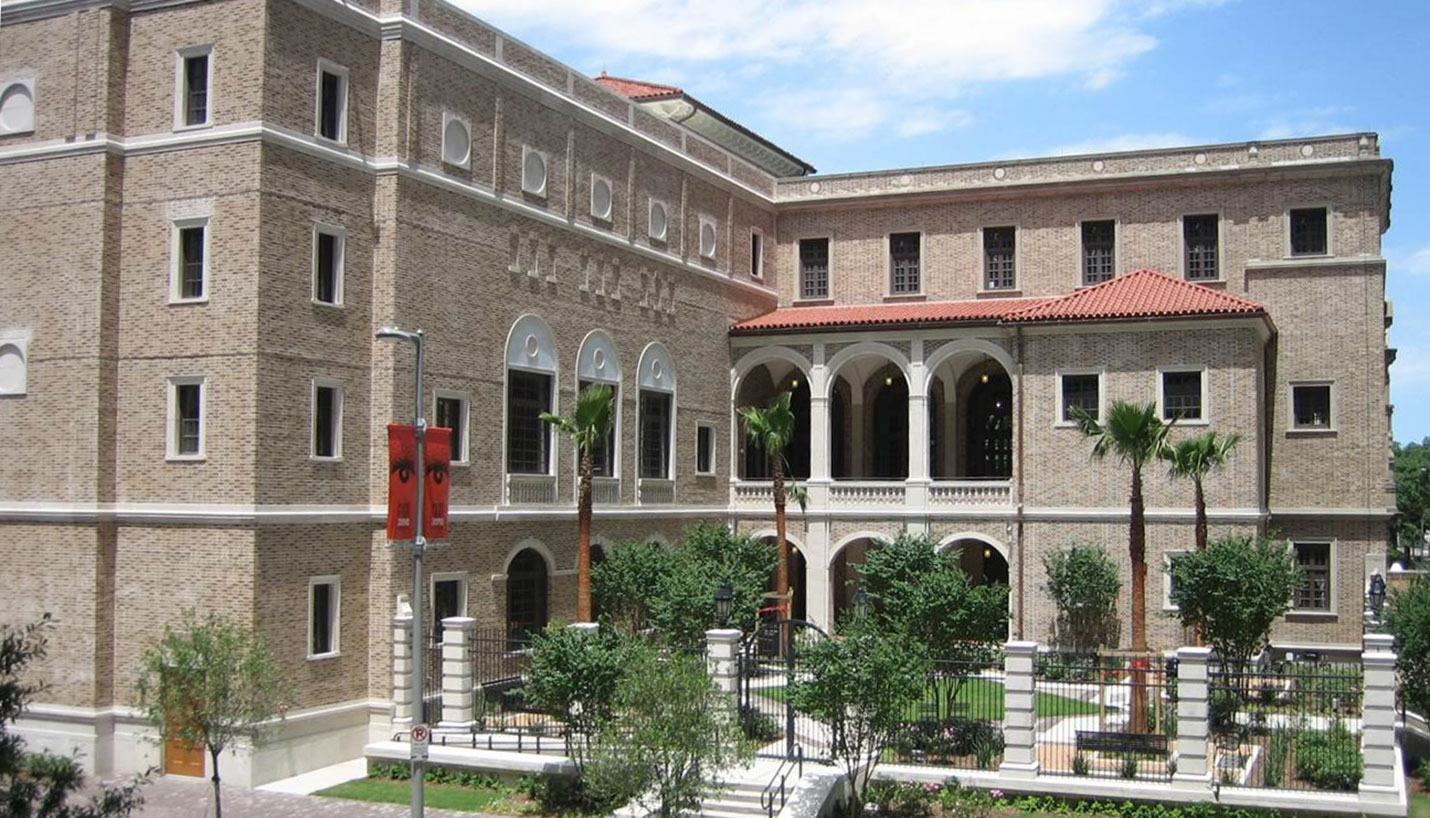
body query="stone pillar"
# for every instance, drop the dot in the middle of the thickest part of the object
(1378, 714)
(1193, 694)
(458, 697)
(917, 491)
(820, 469)
(816, 571)
(402, 709)
(722, 650)
(1020, 725)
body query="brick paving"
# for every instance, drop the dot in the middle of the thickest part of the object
(170, 797)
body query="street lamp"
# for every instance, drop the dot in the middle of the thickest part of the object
(724, 599)
(1377, 594)
(861, 601)
(419, 544)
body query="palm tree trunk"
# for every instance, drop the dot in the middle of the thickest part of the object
(583, 541)
(1137, 551)
(782, 546)
(1201, 506)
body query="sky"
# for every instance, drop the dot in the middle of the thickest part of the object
(869, 84)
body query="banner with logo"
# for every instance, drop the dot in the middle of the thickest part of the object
(401, 482)
(437, 460)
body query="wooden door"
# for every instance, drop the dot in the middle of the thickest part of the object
(181, 758)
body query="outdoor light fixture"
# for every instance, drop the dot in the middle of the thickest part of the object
(987, 552)
(1377, 593)
(723, 600)
(861, 601)
(984, 378)
(888, 380)
(794, 383)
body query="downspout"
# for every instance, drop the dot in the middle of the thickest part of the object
(1018, 507)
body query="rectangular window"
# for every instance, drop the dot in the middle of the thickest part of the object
(323, 593)
(1098, 251)
(655, 434)
(1315, 591)
(704, 449)
(449, 599)
(528, 438)
(814, 268)
(904, 263)
(194, 87)
(327, 419)
(329, 244)
(186, 418)
(1201, 240)
(1308, 231)
(1311, 406)
(999, 258)
(603, 454)
(332, 101)
(189, 273)
(1182, 394)
(450, 412)
(757, 254)
(1080, 392)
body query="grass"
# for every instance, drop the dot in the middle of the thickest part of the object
(437, 796)
(979, 698)
(1419, 805)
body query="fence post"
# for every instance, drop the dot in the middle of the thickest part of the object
(458, 698)
(722, 646)
(1378, 784)
(1020, 725)
(402, 671)
(1193, 699)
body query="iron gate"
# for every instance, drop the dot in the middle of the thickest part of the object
(769, 664)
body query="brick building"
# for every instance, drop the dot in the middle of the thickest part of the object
(209, 207)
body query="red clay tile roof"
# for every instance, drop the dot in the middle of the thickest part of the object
(636, 89)
(1141, 294)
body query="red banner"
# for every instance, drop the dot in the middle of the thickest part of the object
(437, 460)
(401, 482)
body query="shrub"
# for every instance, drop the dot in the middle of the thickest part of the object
(1083, 582)
(1329, 759)
(901, 799)
(1080, 765)
(1276, 752)
(574, 674)
(758, 726)
(1129, 768)
(1233, 592)
(1408, 617)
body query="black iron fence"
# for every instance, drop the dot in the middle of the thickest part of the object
(769, 662)
(958, 721)
(1106, 715)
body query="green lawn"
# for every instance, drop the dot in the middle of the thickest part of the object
(1419, 805)
(982, 699)
(437, 796)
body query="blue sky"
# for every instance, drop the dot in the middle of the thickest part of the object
(867, 84)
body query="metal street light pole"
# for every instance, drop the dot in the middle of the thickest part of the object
(419, 544)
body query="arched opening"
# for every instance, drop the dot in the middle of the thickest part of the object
(656, 428)
(845, 575)
(797, 608)
(869, 420)
(970, 404)
(526, 581)
(530, 390)
(757, 388)
(984, 564)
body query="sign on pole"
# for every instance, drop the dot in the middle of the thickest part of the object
(421, 737)
(402, 477)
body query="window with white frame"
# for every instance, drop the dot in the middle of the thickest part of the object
(659, 222)
(709, 236)
(14, 362)
(329, 250)
(451, 410)
(17, 105)
(1314, 594)
(192, 87)
(456, 140)
(332, 107)
(189, 250)
(528, 436)
(814, 268)
(1099, 251)
(1309, 235)
(757, 253)
(704, 449)
(1184, 394)
(327, 419)
(1000, 253)
(1201, 247)
(1312, 407)
(603, 198)
(904, 260)
(603, 453)
(533, 171)
(1169, 579)
(655, 414)
(1079, 390)
(186, 418)
(324, 596)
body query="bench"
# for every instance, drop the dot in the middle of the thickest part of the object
(1099, 741)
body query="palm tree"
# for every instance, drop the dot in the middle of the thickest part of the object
(1138, 436)
(590, 422)
(1195, 458)
(772, 429)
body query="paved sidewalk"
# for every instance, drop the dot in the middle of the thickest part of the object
(175, 797)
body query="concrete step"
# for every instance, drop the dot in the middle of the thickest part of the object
(727, 811)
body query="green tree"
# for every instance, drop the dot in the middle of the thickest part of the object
(1195, 458)
(43, 785)
(772, 429)
(575, 674)
(1234, 591)
(860, 687)
(673, 733)
(1084, 585)
(1412, 492)
(627, 582)
(588, 427)
(1408, 617)
(211, 682)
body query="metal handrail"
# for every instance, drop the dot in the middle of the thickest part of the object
(787, 765)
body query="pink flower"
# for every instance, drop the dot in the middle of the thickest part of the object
(931, 787)
(996, 793)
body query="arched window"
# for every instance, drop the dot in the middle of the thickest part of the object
(597, 363)
(657, 413)
(525, 594)
(530, 390)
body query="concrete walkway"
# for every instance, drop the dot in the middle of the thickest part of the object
(178, 797)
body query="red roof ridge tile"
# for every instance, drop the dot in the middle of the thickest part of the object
(636, 89)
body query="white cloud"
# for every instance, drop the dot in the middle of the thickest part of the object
(1124, 142)
(1324, 119)
(1410, 262)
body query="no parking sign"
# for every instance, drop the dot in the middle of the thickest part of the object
(421, 737)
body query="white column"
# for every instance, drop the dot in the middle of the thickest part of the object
(819, 466)
(402, 709)
(816, 572)
(722, 647)
(458, 698)
(916, 491)
(1193, 763)
(1378, 784)
(1020, 725)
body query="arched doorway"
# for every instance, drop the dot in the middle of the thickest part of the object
(990, 427)
(970, 402)
(984, 564)
(869, 415)
(889, 433)
(526, 580)
(845, 575)
(757, 388)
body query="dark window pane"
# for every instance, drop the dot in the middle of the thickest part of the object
(756, 254)
(603, 454)
(330, 115)
(191, 262)
(1315, 591)
(446, 602)
(326, 286)
(528, 437)
(1182, 392)
(655, 434)
(704, 449)
(449, 416)
(322, 619)
(1312, 406)
(525, 595)
(325, 420)
(999, 254)
(187, 404)
(1308, 231)
(904, 263)
(196, 90)
(814, 268)
(1097, 251)
(1201, 240)
(1079, 391)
